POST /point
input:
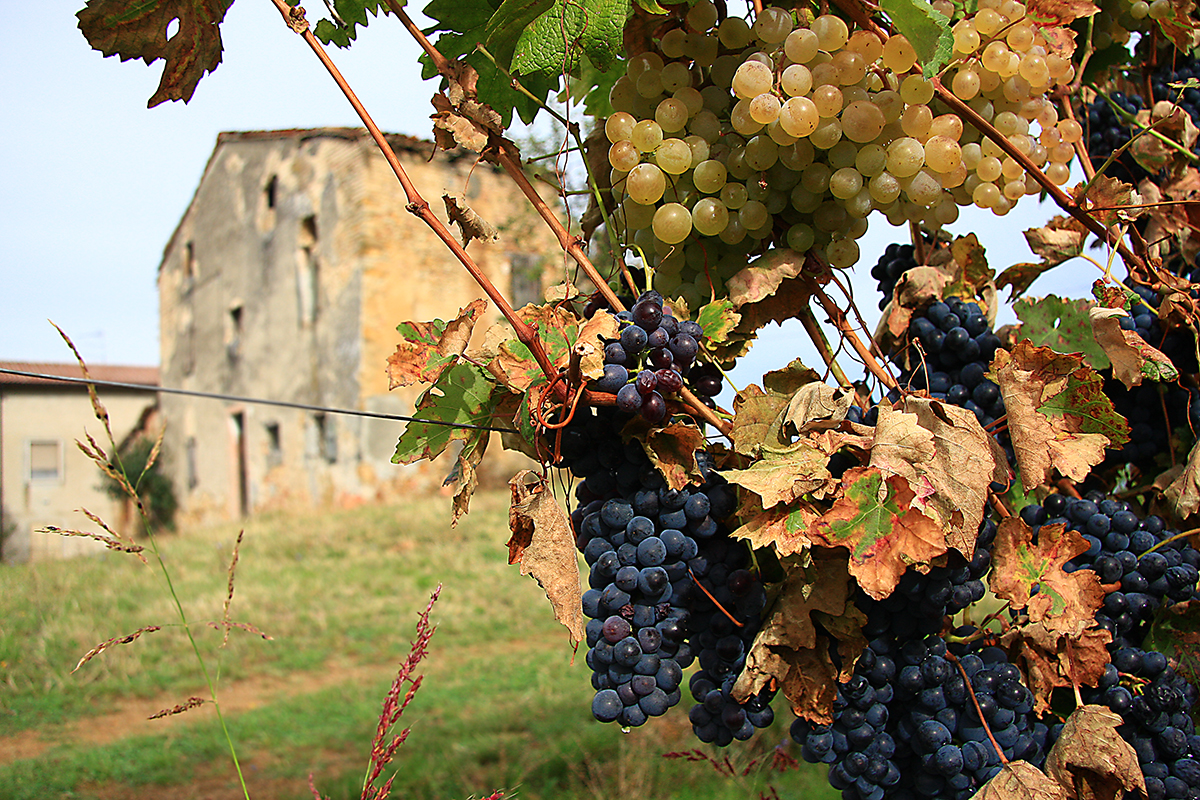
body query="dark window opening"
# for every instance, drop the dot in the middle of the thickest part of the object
(274, 447)
(271, 191)
(193, 474)
(525, 285)
(234, 344)
(307, 272)
(189, 266)
(326, 438)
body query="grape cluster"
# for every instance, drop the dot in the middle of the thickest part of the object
(907, 724)
(1150, 571)
(1106, 132)
(729, 139)
(660, 562)
(956, 346)
(896, 260)
(664, 346)
(724, 620)
(1127, 550)
(1154, 704)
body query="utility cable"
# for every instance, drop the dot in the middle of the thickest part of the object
(142, 387)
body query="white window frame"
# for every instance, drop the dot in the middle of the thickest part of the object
(59, 476)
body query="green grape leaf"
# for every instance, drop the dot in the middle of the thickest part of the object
(463, 394)
(1062, 325)
(138, 29)
(352, 14)
(718, 319)
(875, 520)
(926, 29)
(429, 347)
(650, 6)
(492, 83)
(1175, 632)
(594, 86)
(554, 42)
(507, 24)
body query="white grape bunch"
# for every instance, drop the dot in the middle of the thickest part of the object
(731, 139)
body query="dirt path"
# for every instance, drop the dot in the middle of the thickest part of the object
(133, 718)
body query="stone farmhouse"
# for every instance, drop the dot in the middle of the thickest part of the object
(44, 477)
(285, 279)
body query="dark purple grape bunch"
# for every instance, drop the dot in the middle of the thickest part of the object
(896, 260)
(1137, 553)
(650, 359)
(906, 726)
(951, 348)
(1154, 703)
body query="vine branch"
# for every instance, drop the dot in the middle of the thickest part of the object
(417, 204)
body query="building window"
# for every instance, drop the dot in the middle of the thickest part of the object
(326, 433)
(274, 447)
(525, 285)
(45, 460)
(193, 475)
(233, 342)
(271, 191)
(307, 272)
(189, 268)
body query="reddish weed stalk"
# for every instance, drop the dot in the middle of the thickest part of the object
(383, 748)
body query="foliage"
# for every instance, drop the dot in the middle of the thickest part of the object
(842, 491)
(153, 484)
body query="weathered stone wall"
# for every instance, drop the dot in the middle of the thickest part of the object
(286, 279)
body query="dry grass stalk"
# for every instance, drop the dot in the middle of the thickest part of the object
(97, 407)
(229, 593)
(188, 705)
(245, 626)
(111, 542)
(100, 648)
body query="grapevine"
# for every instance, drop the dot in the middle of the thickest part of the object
(958, 554)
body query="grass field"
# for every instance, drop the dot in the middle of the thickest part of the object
(502, 705)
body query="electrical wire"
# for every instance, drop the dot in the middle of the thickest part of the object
(141, 387)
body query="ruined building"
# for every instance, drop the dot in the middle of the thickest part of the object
(285, 279)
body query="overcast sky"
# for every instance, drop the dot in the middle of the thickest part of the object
(93, 183)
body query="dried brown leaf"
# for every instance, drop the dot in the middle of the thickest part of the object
(948, 460)
(791, 654)
(1132, 357)
(1058, 415)
(818, 407)
(1031, 576)
(1110, 201)
(782, 527)
(468, 220)
(1020, 780)
(1092, 759)
(1183, 493)
(427, 348)
(1059, 12)
(671, 448)
(1052, 660)
(544, 545)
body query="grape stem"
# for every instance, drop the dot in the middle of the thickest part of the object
(838, 317)
(809, 321)
(975, 700)
(417, 205)
(1175, 538)
(1080, 145)
(1061, 198)
(507, 155)
(696, 581)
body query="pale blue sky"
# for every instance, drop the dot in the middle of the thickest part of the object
(93, 183)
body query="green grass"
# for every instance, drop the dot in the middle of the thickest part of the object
(502, 706)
